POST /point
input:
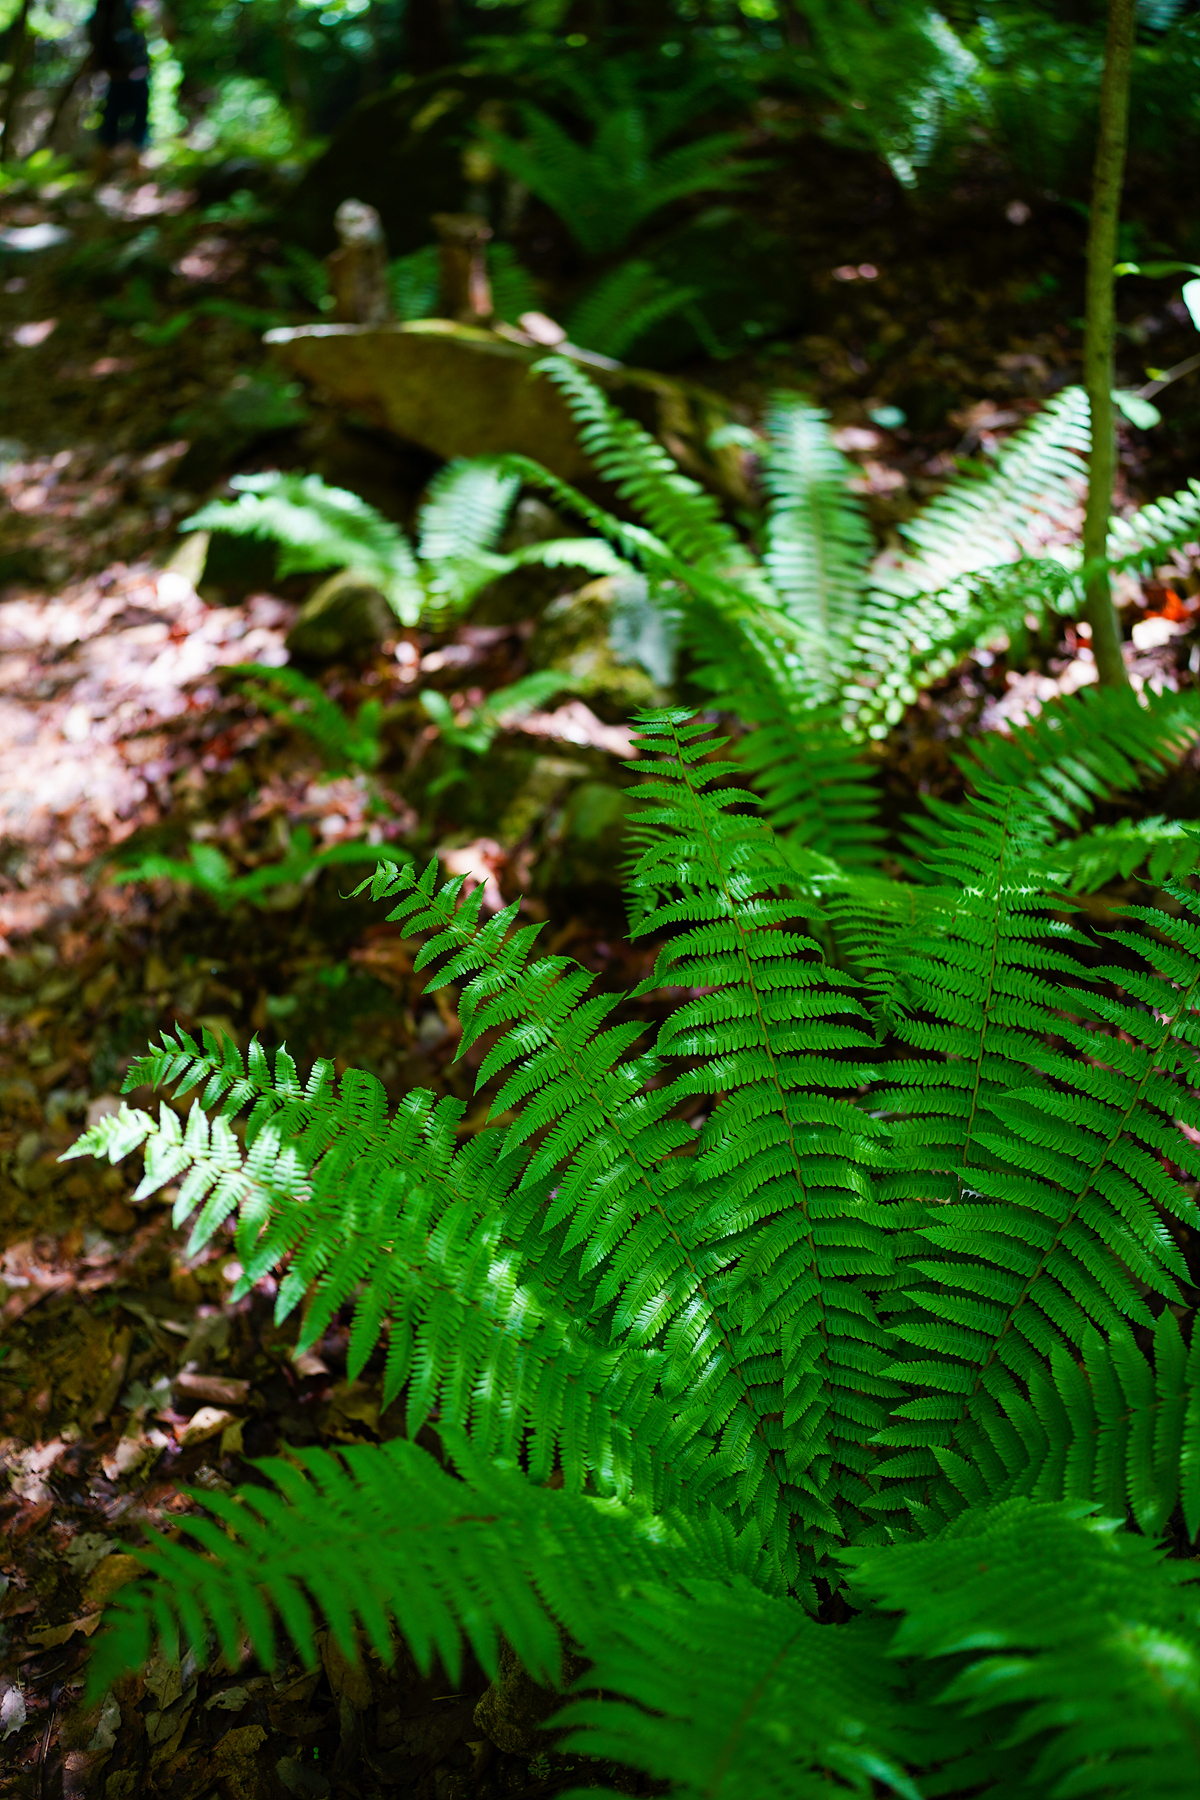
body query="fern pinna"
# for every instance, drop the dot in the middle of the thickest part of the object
(874, 1287)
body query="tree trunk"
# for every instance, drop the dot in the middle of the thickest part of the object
(1107, 179)
(20, 45)
(432, 28)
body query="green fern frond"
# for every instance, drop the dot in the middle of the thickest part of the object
(623, 306)
(970, 990)
(1146, 538)
(1157, 845)
(908, 648)
(478, 1558)
(414, 283)
(514, 290)
(1074, 1647)
(818, 542)
(738, 1694)
(868, 916)
(983, 521)
(318, 527)
(464, 511)
(211, 874)
(353, 1203)
(682, 514)
(914, 1269)
(1109, 1426)
(603, 190)
(778, 1037)
(618, 1212)
(347, 743)
(1086, 747)
(813, 779)
(957, 583)
(1061, 1222)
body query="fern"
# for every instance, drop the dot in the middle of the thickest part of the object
(209, 871)
(602, 191)
(1072, 1647)
(818, 543)
(749, 640)
(857, 1281)
(346, 743)
(773, 640)
(417, 1568)
(812, 778)
(1089, 747)
(514, 290)
(477, 730)
(904, 71)
(815, 652)
(1109, 853)
(463, 515)
(1145, 539)
(774, 1705)
(972, 542)
(623, 306)
(683, 516)
(898, 1311)
(414, 283)
(319, 527)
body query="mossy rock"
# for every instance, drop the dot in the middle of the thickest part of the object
(458, 390)
(345, 616)
(515, 1707)
(581, 634)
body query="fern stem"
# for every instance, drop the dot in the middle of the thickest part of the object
(777, 1083)
(1010, 798)
(1107, 179)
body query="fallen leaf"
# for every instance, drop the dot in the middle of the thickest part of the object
(30, 1467)
(221, 1390)
(12, 1709)
(203, 1425)
(52, 1635)
(131, 1452)
(34, 333)
(86, 1550)
(104, 1737)
(237, 1747)
(1152, 632)
(231, 1438)
(108, 1576)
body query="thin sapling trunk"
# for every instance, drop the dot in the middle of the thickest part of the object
(1107, 180)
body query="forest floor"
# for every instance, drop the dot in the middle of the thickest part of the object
(126, 1372)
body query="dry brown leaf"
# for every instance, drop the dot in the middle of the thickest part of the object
(110, 1574)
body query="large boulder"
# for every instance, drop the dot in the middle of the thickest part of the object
(459, 390)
